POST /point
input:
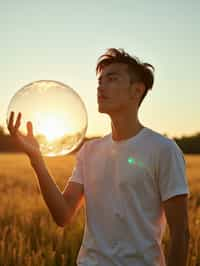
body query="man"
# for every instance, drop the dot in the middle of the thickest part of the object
(133, 179)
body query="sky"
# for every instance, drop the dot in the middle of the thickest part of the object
(61, 40)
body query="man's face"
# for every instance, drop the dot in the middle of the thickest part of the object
(114, 89)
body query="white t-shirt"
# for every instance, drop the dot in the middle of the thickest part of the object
(125, 183)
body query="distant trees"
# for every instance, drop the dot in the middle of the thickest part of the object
(190, 144)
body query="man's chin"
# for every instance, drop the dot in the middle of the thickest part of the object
(103, 111)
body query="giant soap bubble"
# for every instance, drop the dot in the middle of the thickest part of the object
(57, 112)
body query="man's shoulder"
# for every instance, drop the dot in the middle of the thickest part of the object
(162, 141)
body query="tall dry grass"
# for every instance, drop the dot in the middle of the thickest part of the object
(28, 235)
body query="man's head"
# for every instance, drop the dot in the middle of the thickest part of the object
(123, 80)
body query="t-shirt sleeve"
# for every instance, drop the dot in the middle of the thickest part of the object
(78, 173)
(172, 179)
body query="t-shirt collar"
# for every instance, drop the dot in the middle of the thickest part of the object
(133, 139)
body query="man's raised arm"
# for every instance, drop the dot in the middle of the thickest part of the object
(61, 205)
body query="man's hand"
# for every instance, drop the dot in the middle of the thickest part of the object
(27, 142)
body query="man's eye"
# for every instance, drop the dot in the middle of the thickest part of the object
(112, 78)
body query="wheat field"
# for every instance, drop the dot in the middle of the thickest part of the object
(28, 235)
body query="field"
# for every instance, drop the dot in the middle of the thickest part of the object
(28, 235)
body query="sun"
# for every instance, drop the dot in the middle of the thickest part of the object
(52, 126)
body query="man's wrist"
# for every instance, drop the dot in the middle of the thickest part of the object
(36, 160)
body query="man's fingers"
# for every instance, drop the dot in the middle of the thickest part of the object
(10, 122)
(11, 118)
(14, 128)
(29, 128)
(18, 121)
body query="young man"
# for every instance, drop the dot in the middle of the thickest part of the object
(133, 179)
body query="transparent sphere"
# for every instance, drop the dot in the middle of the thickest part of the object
(58, 115)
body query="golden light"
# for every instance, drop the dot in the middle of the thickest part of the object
(52, 126)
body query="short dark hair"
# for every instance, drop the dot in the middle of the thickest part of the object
(139, 71)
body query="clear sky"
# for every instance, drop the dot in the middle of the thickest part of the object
(61, 40)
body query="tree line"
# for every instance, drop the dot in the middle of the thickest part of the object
(188, 144)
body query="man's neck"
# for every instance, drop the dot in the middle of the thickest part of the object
(125, 127)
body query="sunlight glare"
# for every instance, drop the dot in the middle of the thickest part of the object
(52, 126)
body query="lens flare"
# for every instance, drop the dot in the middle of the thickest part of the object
(133, 161)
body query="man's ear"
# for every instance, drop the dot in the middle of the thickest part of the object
(137, 90)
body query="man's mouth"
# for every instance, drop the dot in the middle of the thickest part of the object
(101, 98)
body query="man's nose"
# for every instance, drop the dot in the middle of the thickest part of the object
(101, 87)
(100, 91)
